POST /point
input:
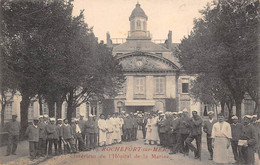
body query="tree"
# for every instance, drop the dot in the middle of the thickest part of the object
(224, 43)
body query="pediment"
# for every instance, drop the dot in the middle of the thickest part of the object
(138, 62)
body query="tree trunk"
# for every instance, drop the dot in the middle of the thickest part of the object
(24, 105)
(222, 104)
(51, 107)
(40, 104)
(70, 106)
(59, 108)
(3, 115)
(230, 113)
(238, 103)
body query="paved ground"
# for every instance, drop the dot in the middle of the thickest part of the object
(129, 153)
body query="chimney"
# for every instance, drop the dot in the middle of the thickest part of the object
(169, 40)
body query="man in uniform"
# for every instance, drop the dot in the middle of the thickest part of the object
(162, 130)
(32, 132)
(58, 130)
(13, 129)
(67, 137)
(52, 136)
(135, 126)
(144, 122)
(247, 142)
(90, 132)
(78, 135)
(236, 130)
(184, 127)
(174, 133)
(82, 125)
(207, 128)
(195, 133)
(127, 127)
(42, 136)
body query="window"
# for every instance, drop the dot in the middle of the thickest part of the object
(94, 110)
(185, 87)
(30, 111)
(139, 85)
(138, 25)
(144, 25)
(8, 110)
(159, 85)
(87, 109)
(45, 109)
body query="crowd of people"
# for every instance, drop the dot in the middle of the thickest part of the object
(173, 130)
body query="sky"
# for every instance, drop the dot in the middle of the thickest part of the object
(163, 15)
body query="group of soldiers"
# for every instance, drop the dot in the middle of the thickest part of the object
(173, 130)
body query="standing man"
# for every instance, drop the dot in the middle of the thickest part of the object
(42, 136)
(174, 135)
(95, 131)
(144, 122)
(90, 131)
(162, 130)
(184, 128)
(32, 132)
(236, 129)
(195, 133)
(207, 128)
(13, 129)
(52, 136)
(135, 126)
(221, 135)
(82, 126)
(67, 137)
(58, 130)
(247, 142)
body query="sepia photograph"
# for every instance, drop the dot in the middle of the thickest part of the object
(129, 82)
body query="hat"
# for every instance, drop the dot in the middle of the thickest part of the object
(41, 116)
(45, 116)
(81, 115)
(90, 115)
(234, 117)
(210, 113)
(180, 112)
(184, 110)
(59, 119)
(174, 113)
(160, 111)
(135, 113)
(248, 116)
(257, 121)
(52, 119)
(254, 116)
(76, 119)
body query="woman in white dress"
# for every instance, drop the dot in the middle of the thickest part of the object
(154, 133)
(148, 130)
(102, 130)
(221, 135)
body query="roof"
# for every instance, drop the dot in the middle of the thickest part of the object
(138, 12)
(140, 45)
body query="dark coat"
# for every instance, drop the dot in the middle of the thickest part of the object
(13, 127)
(66, 131)
(237, 130)
(207, 128)
(196, 125)
(43, 130)
(33, 133)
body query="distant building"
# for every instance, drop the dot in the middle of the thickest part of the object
(154, 79)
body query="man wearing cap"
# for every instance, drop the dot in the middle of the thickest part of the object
(52, 136)
(78, 135)
(174, 133)
(195, 133)
(236, 129)
(207, 128)
(58, 130)
(42, 136)
(32, 132)
(247, 142)
(143, 124)
(221, 135)
(127, 128)
(82, 126)
(90, 131)
(184, 128)
(162, 129)
(13, 128)
(135, 126)
(67, 137)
